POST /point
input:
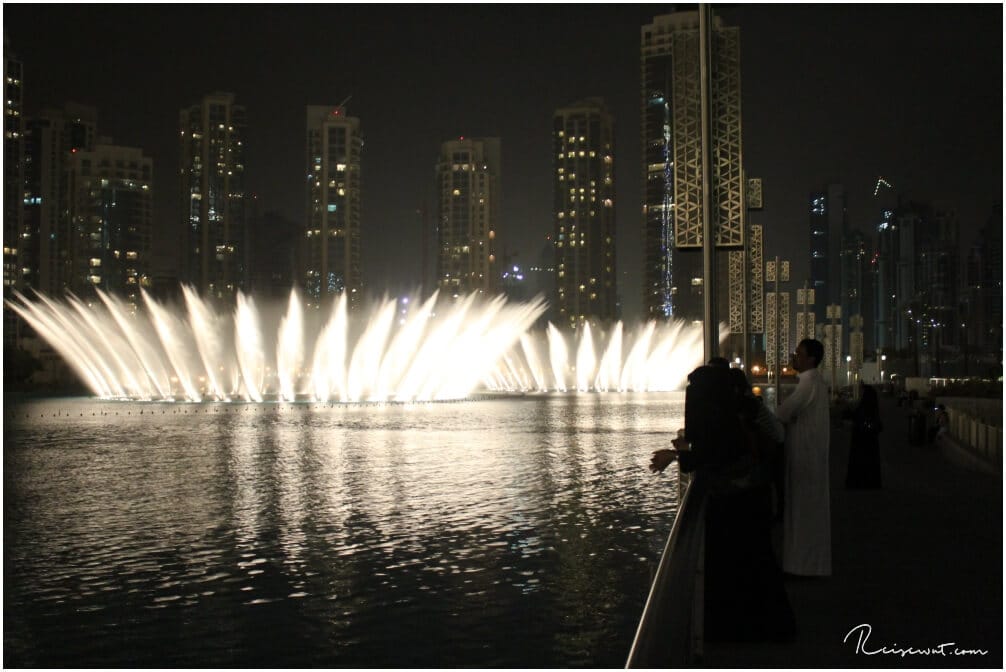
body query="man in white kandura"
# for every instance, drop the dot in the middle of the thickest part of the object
(806, 532)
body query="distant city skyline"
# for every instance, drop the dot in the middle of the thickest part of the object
(831, 94)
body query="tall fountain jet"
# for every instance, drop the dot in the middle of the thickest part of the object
(440, 350)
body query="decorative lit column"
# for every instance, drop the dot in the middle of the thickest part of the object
(776, 320)
(855, 351)
(833, 344)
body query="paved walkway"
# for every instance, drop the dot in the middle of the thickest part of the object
(920, 561)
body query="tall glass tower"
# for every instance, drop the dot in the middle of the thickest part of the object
(828, 225)
(672, 162)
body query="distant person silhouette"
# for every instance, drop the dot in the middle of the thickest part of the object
(941, 423)
(864, 447)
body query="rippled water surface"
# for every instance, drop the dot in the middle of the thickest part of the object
(514, 532)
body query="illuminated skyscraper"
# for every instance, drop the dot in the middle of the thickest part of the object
(331, 244)
(212, 195)
(672, 163)
(13, 175)
(469, 192)
(828, 226)
(110, 205)
(584, 213)
(13, 169)
(981, 320)
(47, 238)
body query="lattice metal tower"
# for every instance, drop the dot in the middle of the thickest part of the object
(672, 161)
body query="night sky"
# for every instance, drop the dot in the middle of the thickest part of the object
(831, 93)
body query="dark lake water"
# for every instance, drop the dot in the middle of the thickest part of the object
(497, 533)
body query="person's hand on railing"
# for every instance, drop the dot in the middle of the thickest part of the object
(665, 456)
(661, 458)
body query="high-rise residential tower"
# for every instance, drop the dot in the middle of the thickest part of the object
(981, 321)
(110, 206)
(856, 296)
(47, 238)
(919, 283)
(584, 213)
(672, 163)
(13, 175)
(212, 195)
(13, 169)
(469, 195)
(330, 258)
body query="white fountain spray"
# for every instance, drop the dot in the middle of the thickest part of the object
(208, 332)
(328, 368)
(290, 351)
(558, 355)
(248, 344)
(442, 349)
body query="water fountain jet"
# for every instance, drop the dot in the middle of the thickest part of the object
(442, 350)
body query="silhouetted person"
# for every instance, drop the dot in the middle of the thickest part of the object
(941, 422)
(806, 538)
(864, 448)
(728, 436)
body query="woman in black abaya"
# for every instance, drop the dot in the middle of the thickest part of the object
(864, 451)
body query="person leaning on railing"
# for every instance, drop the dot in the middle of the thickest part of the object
(730, 436)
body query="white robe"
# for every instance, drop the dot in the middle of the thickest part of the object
(806, 540)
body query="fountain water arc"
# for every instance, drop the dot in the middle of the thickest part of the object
(442, 349)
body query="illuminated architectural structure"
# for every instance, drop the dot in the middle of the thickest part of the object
(827, 226)
(776, 316)
(212, 195)
(855, 289)
(747, 284)
(584, 213)
(469, 191)
(110, 199)
(47, 239)
(13, 175)
(883, 281)
(981, 319)
(672, 163)
(917, 274)
(330, 261)
(13, 169)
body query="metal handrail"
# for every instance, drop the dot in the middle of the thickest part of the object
(670, 629)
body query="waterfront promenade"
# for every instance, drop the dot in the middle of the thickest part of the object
(919, 561)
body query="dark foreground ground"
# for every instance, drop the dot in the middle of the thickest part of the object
(917, 564)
